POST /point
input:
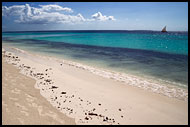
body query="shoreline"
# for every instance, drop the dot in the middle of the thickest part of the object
(22, 104)
(148, 83)
(88, 95)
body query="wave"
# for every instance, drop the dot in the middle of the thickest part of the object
(156, 86)
(171, 67)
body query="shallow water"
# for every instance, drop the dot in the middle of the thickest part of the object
(139, 53)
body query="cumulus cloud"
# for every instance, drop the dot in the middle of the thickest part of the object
(48, 14)
(100, 17)
(12, 10)
(55, 8)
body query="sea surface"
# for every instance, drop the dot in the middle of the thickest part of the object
(151, 54)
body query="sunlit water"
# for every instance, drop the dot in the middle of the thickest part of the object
(149, 54)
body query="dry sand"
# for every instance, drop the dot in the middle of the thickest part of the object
(92, 99)
(23, 104)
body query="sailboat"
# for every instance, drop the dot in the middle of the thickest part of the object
(164, 29)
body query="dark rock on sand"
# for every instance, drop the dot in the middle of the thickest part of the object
(54, 87)
(86, 118)
(63, 92)
(93, 114)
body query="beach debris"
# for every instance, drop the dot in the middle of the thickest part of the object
(54, 87)
(93, 114)
(63, 92)
(100, 115)
(86, 118)
(47, 80)
(45, 84)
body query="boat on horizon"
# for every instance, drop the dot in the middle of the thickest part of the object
(164, 29)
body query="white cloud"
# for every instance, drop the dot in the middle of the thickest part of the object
(12, 10)
(100, 17)
(48, 14)
(55, 8)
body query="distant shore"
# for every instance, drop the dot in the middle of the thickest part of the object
(86, 97)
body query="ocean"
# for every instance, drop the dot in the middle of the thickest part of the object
(149, 54)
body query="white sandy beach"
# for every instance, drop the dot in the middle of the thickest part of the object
(87, 97)
(22, 104)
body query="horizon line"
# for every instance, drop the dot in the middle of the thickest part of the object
(88, 30)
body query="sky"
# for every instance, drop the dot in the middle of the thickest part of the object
(31, 16)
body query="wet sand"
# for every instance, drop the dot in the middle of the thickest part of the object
(92, 99)
(22, 104)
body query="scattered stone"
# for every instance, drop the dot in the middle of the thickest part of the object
(86, 118)
(47, 80)
(54, 87)
(27, 67)
(93, 114)
(63, 92)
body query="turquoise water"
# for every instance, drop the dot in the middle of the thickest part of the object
(145, 53)
(162, 42)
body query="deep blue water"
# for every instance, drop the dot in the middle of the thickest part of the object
(143, 53)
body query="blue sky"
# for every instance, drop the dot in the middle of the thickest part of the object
(22, 16)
